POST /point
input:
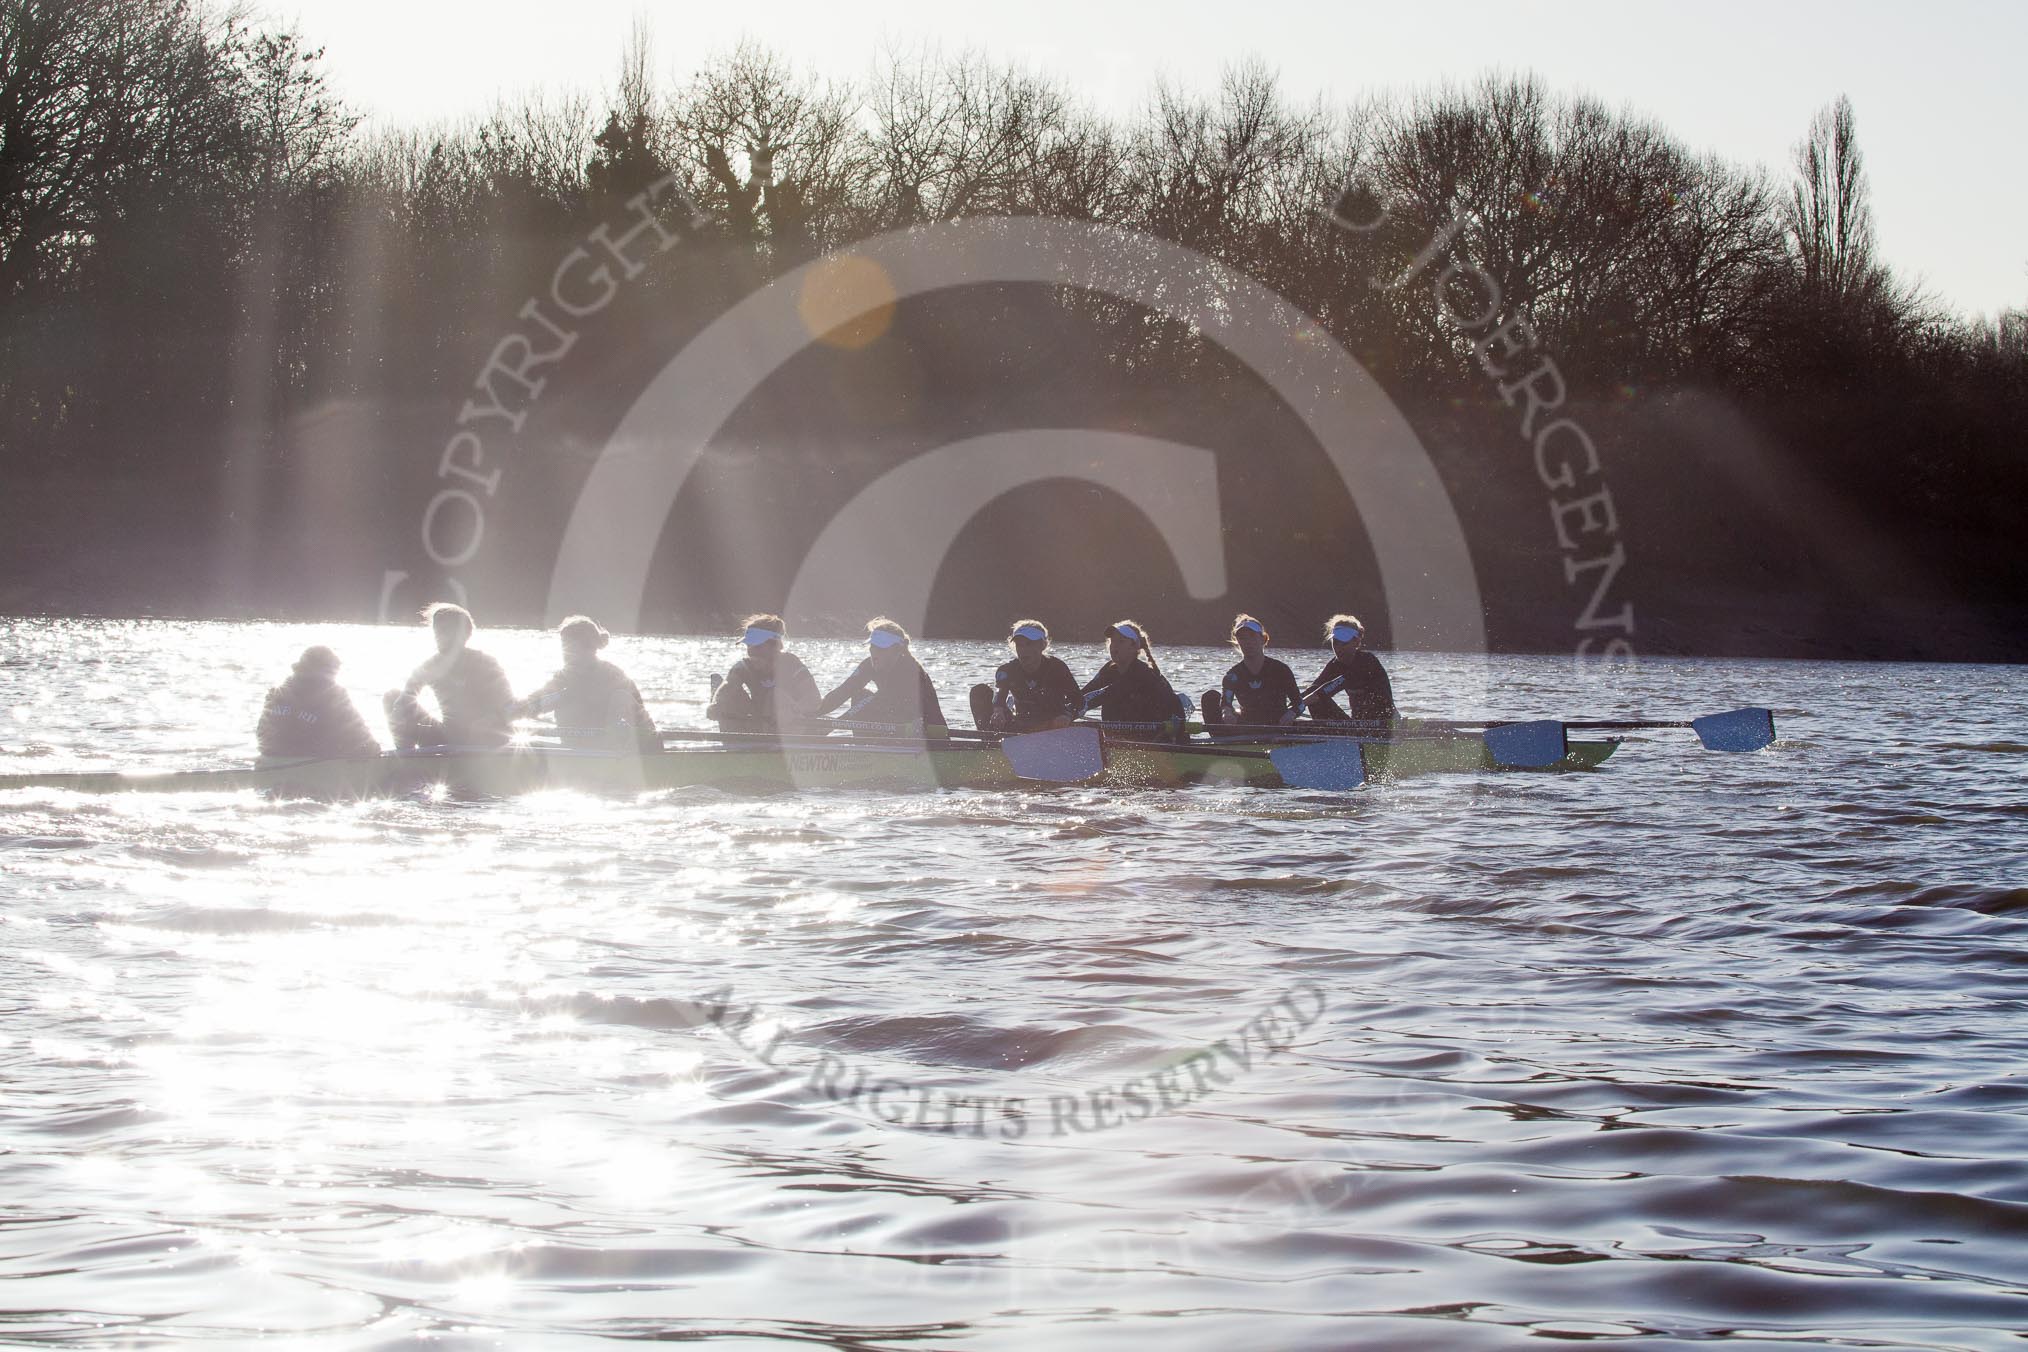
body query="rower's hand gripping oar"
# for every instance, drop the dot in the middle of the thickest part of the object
(1324, 691)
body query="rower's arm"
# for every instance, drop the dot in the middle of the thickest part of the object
(733, 683)
(1369, 691)
(498, 694)
(1291, 692)
(730, 699)
(645, 731)
(932, 707)
(1069, 699)
(351, 728)
(795, 691)
(1317, 698)
(1333, 675)
(268, 732)
(433, 669)
(854, 686)
(538, 702)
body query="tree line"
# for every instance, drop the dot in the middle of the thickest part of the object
(208, 262)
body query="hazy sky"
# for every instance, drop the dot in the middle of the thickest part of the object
(1941, 89)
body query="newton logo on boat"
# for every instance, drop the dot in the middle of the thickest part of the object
(884, 549)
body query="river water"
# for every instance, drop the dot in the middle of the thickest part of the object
(1695, 1047)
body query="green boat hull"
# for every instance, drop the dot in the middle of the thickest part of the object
(508, 773)
(1385, 761)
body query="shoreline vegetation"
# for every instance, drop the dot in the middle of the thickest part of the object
(237, 328)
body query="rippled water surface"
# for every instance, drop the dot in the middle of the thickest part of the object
(1695, 1047)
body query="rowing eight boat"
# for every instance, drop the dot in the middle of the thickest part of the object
(761, 769)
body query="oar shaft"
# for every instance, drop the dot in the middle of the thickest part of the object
(1625, 724)
(1199, 748)
(1324, 691)
(797, 740)
(1309, 731)
(911, 729)
(1412, 727)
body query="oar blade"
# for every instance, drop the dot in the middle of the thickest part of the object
(1320, 765)
(1527, 746)
(1736, 730)
(1060, 756)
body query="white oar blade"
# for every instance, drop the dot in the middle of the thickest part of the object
(1739, 730)
(1061, 756)
(1320, 765)
(1527, 746)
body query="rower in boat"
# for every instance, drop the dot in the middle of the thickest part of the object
(310, 716)
(1034, 692)
(474, 701)
(1129, 690)
(1369, 695)
(596, 705)
(769, 689)
(889, 687)
(1259, 691)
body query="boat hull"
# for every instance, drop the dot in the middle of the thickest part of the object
(1385, 761)
(515, 771)
(508, 773)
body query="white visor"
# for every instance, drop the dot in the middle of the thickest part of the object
(1253, 627)
(756, 637)
(1127, 632)
(1032, 632)
(881, 638)
(1346, 633)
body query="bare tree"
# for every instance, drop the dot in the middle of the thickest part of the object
(635, 97)
(1710, 273)
(96, 96)
(300, 131)
(960, 136)
(1213, 173)
(1829, 213)
(772, 153)
(1079, 171)
(540, 144)
(1560, 203)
